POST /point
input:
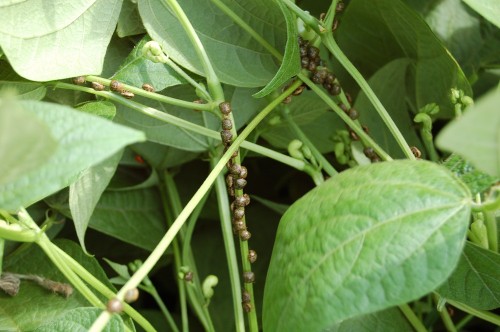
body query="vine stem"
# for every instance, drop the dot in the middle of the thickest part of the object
(229, 246)
(412, 318)
(445, 316)
(167, 118)
(164, 243)
(214, 86)
(188, 78)
(485, 315)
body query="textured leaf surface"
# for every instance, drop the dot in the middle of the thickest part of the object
(369, 238)
(84, 141)
(236, 57)
(290, 65)
(80, 320)
(129, 22)
(489, 9)
(476, 135)
(104, 109)
(34, 305)
(23, 90)
(47, 40)
(389, 320)
(476, 280)
(22, 147)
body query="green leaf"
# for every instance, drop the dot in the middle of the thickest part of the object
(129, 22)
(373, 33)
(388, 83)
(80, 320)
(489, 9)
(84, 140)
(475, 281)
(26, 142)
(23, 90)
(389, 320)
(236, 57)
(290, 65)
(86, 192)
(476, 135)
(104, 109)
(51, 40)
(33, 305)
(137, 70)
(370, 238)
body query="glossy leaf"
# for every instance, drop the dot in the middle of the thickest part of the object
(23, 90)
(374, 33)
(476, 135)
(86, 192)
(388, 83)
(34, 306)
(489, 9)
(370, 238)
(104, 109)
(290, 65)
(389, 320)
(129, 22)
(84, 141)
(51, 40)
(476, 281)
(24, 147)
(137, 70)
(80, 320)
(237, 58)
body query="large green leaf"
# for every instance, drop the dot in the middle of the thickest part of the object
(373, 33)
(129, 22)
(236, 57)
(389, 320)
(137, 70)
(47, 40)
(86, 192)
(476, 280)
(489, 9)
(25, 141)
(476, 135)
(34, 305)
(23, 90)
(370, 238)
(84, 140)
(388, 83)
(80, 320)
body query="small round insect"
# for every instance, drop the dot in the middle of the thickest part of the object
(226, 137)
(335, 24)
(299, 90)
(303, 51)
(304, 62)
(245, 297)
(227, 124)
(353, 135)
(340, 7)
(97, 86)
(239, 213)
(287, 100)
(131, 295)
(240, 183)
(353, 114)
(245, 235)
(246, 198)
(148, 87)
(248, 277)
(235, 169)
(348, 97)
(343, 107)
(313, 52)
(365, 129)
(335, 90)
(369, 152)
(247, 307)
(239, 226)
(229, 181)
(330, 78)
(114, 306)
(79, 80)
(416, 152)
(127, 94)
(243, 172)
(252, 256)
(116, 86)
(188, 276)
(327, 85)
(240, 201)
(312, 66)
(225, 108)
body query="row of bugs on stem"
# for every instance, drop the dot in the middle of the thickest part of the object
(115, 86)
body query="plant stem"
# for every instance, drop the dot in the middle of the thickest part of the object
(492, 231)
(164, 243)
(309, 20)
(356, 128)
(229, 246)
(325, 164)
(170, 320)
(181, 123)
(332, 46)
(464, 322)
(248, 29)
(445, 316)
(188, 78)
(412, 318)
(486, 315)
(213, 83)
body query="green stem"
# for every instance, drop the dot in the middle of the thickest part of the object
(445, 316)
(329, 169)
(248, 29)
(330, 15)
(164, 243)
(229, 246)
(356, 128)
(213, 82)
(163, 308)
(332, 46)
(485, 315)
(412, 318)
(188, 78)
(492, 231)
(140, 92)
(464, 321)
(309, 20)
(167, 118)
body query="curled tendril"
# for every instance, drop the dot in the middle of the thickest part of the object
(153, 52)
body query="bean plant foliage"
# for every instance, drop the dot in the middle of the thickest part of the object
(246, 165)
